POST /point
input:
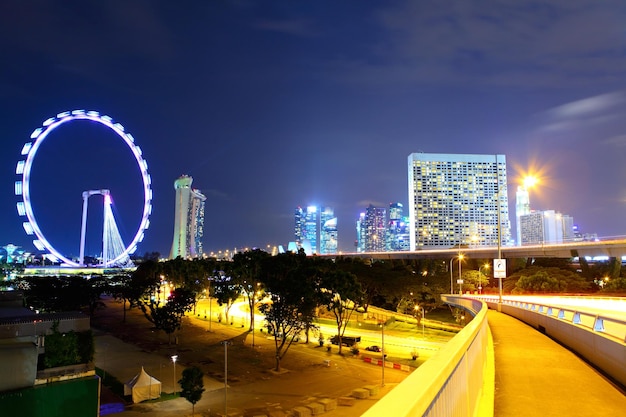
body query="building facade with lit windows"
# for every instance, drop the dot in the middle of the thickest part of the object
(546, 226)
(316, 230)
(372, 230)
(188, 220)
(457, 199)
(328, 231)
(398, 238)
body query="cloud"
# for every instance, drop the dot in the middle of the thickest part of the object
(297, 27)
(588, 107)
(594, 112)
(522, 43)
(85, 40)
(618, 141)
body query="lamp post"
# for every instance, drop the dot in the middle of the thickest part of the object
(210, 305)
(480, 278)
(382, 329)
(174, 358)
(460, 279)
(451, 279)
(460, 257)
(225, 343)
(417, 308)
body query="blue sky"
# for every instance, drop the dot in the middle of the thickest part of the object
(275, 104)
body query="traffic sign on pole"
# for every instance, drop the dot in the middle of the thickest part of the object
(499, 268)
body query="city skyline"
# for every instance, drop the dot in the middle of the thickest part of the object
(275, 105)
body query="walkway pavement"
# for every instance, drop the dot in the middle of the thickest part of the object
(536, 376)
(282, 391)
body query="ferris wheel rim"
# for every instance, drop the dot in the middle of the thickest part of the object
(22, 187)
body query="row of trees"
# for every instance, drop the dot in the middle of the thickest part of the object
(290, 289)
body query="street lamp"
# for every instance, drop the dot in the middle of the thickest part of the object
(460, 258)
(174, 358)
(417, 307)
(253, 305)
(480, 277)
(225, 343)
(382, 329)
(460, 280)
(451, 279)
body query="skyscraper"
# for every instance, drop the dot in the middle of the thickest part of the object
(328, 231)
(546, 226)
(188, 220)
(313, 225)
(457, 199)
(398, 238)
(306, 229)
(372, 230)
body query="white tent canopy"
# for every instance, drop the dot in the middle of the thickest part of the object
(143, 387)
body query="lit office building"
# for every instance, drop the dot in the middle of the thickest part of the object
(188, 220)
(328, 231)
(457, 199)
(398, 236)
(313, 225)
(547, 226)
(372, 230)
(307, 221)
(360, 233)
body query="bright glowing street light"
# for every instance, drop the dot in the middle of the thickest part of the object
(529, 181)
(174, 358)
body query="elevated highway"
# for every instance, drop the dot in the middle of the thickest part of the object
(610, 247)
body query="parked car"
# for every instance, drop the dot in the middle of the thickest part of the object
(346, 340)
(374, 348)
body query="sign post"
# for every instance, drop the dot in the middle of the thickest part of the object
(499, 271)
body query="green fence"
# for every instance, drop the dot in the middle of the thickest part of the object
(73, 398)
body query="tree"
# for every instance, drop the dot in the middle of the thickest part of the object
(373, 276)
(538, 282)
(192, 386)
(292, 289)
(164, 318)
(473, 279)
(342, 295)
(245, 273)
(144, 283)
(225, 291)
(120, 289)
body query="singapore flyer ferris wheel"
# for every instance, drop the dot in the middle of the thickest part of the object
(114, 252)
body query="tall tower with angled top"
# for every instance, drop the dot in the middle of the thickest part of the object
(188, 220)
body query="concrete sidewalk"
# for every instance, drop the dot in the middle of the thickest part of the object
(124, 361)
(536, 376)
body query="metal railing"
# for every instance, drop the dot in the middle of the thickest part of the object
(457, 381)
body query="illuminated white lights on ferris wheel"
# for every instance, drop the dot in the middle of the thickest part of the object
(22, 185)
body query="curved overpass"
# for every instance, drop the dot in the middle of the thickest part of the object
(459, 379)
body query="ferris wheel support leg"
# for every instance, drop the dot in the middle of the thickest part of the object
(83, 229)
(105, 231)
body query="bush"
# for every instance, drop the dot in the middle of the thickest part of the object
(61, 348)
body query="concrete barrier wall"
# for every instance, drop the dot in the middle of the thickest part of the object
(599, 339)
(457, 381)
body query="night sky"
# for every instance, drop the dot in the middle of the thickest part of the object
(270, 105)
